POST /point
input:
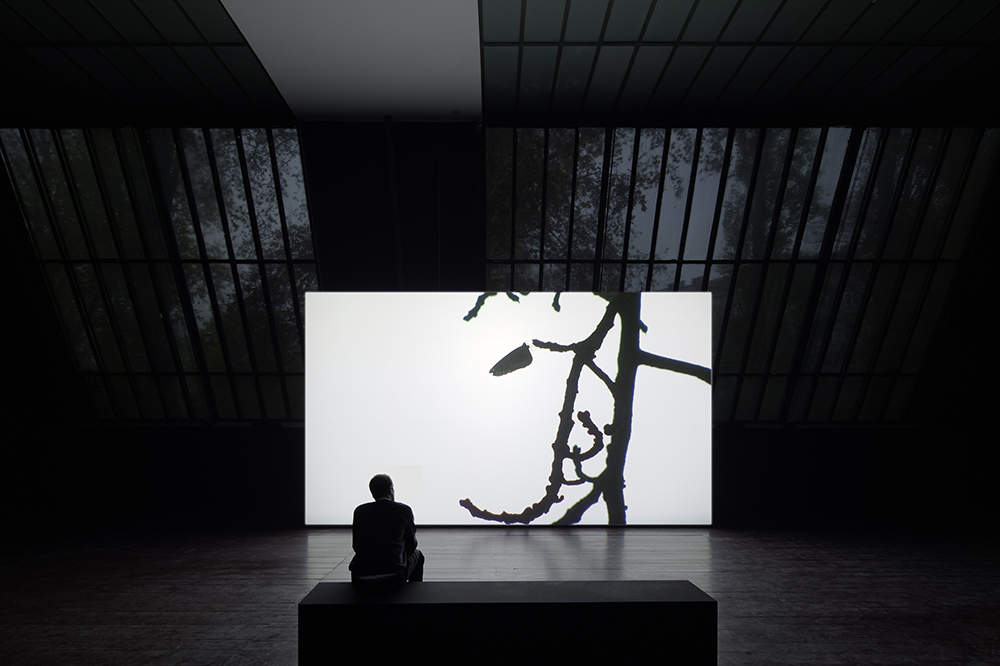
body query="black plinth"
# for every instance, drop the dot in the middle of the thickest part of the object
(667, 621)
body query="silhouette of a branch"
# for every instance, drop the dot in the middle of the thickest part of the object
(602, 375)
(479, 304)
(682, 367)
(610, 482)
(575, 512)
(595, 432)
(583, 352)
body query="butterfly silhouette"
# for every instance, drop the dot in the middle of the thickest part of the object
(517, 359)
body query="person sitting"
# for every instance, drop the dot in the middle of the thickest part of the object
(385, 542)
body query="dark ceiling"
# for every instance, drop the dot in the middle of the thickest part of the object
(722, 62)
(568, 62)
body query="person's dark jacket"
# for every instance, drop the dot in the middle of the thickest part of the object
(384, 534)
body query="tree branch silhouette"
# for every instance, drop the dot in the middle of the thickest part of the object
(610, 483)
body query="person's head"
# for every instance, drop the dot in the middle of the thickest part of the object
(381, 486)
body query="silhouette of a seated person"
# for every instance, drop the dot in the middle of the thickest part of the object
(385, 542)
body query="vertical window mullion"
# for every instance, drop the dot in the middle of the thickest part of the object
(258, 249)
(209, 282)
(847, 169)
(130, 187)
(692, 180)
(668, 135)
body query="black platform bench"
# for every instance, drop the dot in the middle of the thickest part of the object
(663, 621)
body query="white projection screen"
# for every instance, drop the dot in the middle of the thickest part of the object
(402, 384)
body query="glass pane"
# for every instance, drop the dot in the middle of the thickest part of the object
(174, 196)
(587, 199)
(972, 196)
(528, 216)
(230, 316)
(851, 305)
(830, 165)
(706, 193)
(692, 276)
(127, 408)
(497, 277)
(99, 397)
(741, 310)
(98, 317)
(199, 400)
(274, 400)
(945, 190)
(821, 408)
(718, 283)
(611, 275)
(293, 193)
(499, 191)
(581, 277)
(525, 277)
(246, 392)
(901, 324)
(772, 162)
(883, 193)
(119, 201)
(722, 398)
(234, 198)
(558, 193)
(285, 321)
(902, 398)
(554, 277)
(647, 186)
(72, 322)
(821, 323)
(142, 191)
(88, 193)
(222, 393)
(799, 409)
(877, 398)
(148, 397)
(60, 199)
(204, 318)
(619, 183)
(635, 277)
(791, 321)
(203, 189)
(930, 319)
(173, 399)
(848, 399)
(129, 334)
(305, 281)
(31, 198)
(675, 187)
(774, 393)
(794, 199)
(663, 277)
(296, 386)
(874, 318)
(174, 315)
(856, 193)
(767, 317)
(914, 194)
(257, 152)
(737, 186)
(746, 409)
(148, 313)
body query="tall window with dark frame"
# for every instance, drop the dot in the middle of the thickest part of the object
(830, 252)
(177, 260)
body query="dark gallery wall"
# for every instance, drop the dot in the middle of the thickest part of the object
(417, 226)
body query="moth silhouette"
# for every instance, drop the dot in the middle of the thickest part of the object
(517, 359)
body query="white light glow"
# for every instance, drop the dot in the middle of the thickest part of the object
(400, 384)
